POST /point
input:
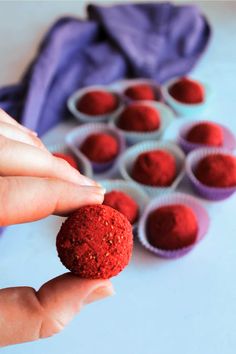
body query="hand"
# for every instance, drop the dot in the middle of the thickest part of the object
(33, 185)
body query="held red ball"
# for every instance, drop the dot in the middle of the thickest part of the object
(95, 242)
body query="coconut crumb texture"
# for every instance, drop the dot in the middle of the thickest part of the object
(95, 242)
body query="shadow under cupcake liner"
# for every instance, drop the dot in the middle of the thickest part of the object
(210, 193)
(175, 198)
(229, 141)
(127, 160)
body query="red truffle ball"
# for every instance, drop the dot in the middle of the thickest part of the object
(67, 158)
(217, 170)
(138, 117)
(187, 91)
(154, 168)
(95, 242)
(97, 103)
(123, 203)
(100, 147)
(206, 133)
(140, 92)
(172, 227)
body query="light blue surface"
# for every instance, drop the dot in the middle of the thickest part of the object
(185, 306)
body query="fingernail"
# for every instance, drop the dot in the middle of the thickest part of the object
(99, 294)
(33, 133)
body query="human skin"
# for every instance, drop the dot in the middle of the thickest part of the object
(42, 185)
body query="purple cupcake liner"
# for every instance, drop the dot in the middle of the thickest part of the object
(86, 118)
(78, 135)
(229, 141)
(210, 193)
(175, 198)
(84, 165)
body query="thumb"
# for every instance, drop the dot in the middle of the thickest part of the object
(27, 315)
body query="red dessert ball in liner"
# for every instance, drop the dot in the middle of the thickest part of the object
(172, 227)
(206, 133)
(95, 242)
(217, 170)
(139, 117)
(67, 158)
(100, 147)
(97, 102)
(154, 168)
(123, 203)
(187, 91)
(140, 92)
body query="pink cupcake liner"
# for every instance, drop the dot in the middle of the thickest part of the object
(78, 135)
(210, 193)
(84, 165)
(171, 199)
(86, 118)
(229, 141)
(132, 137)
(127, 160)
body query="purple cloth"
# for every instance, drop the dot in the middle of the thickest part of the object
(156, 40)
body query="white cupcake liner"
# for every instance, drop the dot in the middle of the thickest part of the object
(86, 118)
(229, 141)
(184, 109)
(175, 198)
(84, 165)
(77, 136)
(210, 193)
(132, 190)
(122, 85)
(128, 158)
(166, 117)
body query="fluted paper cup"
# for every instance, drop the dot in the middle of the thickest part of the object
(84, 165)
(229, 141)
(86, 118)
(210, 193)
(173, 199)
(132, 137)
(77, 136)
(185, 109)
(127, 160)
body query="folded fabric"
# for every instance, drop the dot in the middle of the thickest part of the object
(156, 40)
